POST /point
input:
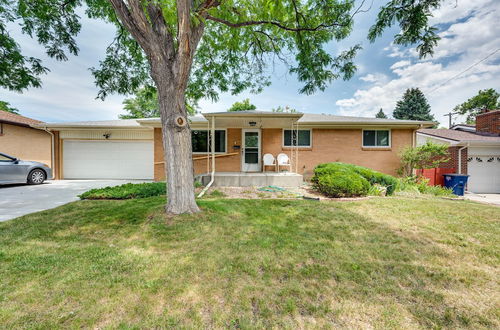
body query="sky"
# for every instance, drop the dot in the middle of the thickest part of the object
(466, 60)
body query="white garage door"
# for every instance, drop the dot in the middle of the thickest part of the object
(483, 166)
(107, 159)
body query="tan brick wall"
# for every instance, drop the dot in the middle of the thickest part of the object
(26, 143)
(328, 145)
(341, 145)
(488, 122)
(222, 164)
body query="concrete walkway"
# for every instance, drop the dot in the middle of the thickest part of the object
(20, 199)
(493, 199)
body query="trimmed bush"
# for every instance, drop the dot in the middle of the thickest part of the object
(373, 177)
(127, 191)
(343, 185)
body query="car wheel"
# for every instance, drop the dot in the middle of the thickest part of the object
(37, 176)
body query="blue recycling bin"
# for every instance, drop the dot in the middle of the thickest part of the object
(456, 182)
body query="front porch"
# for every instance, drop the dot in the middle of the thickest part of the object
(253, 179)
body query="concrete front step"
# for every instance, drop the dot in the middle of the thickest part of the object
(239, 179)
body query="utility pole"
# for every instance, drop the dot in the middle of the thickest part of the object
(450, 117)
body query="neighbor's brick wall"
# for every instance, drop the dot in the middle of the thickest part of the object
(26, 143)
(453, 162)
(488, 122)
(328, 145)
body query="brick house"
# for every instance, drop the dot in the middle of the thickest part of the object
(473, 150)
(20, 139)
(133, 149)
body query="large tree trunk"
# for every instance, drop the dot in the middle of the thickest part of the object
(176, 136)
(170, 68)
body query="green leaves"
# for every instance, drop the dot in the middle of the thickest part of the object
(242, 106)
(485, 100)
(429, 155)
(53, 23)
(413, 18)
(5, 106)
(242, 41)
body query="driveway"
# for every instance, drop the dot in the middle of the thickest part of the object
(493, 199)
(17, 200)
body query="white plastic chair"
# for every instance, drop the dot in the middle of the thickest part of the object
(283, 160)
(269, 160)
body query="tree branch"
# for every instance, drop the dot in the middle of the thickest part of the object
(278, 24)
(130, 21)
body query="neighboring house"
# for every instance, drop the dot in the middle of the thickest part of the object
(475, 152)
(133, 149)
(19, 138)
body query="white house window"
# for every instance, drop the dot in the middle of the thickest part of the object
(199, 140)
(290, 138)
(376, 138)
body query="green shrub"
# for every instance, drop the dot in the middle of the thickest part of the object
(373, 177)
(127, 191)
(419, 185)
(342, 185)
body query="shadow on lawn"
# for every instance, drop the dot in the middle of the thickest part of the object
(241, 263)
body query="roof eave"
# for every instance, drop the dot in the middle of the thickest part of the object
(246, 114)
(477, 143)
(77, 127)
(8, 122)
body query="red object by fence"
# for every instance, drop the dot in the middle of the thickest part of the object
(435, 175)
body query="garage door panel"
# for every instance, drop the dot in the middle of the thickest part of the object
(483, 167)
(107, 159)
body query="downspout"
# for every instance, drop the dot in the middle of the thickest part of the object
(52, 155)
(212, 174)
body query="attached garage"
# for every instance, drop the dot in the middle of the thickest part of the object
(483, 166)
(107, 159)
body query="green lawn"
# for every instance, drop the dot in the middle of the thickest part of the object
(385, 262)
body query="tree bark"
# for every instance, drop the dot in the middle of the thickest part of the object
(170, 69)
(176, 135)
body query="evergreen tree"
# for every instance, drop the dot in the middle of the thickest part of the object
(381, 114)
(413, 106)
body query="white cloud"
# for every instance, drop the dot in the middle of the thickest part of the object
(400, 64)
(377, 78)
(473, 35)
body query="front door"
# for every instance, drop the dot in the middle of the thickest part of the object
(251, 150)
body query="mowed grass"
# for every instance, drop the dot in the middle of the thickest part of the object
(382, 263)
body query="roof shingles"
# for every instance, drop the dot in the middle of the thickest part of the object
(12, 118)
(456, 135)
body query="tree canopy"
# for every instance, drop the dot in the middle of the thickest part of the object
(485, 100)
(242, 106)
(381, 114)
(240, 40)
(5, 106)
(145, 104)
(413, 106)
(286, 108)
